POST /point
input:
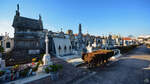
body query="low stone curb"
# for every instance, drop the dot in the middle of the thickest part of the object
(29, 79)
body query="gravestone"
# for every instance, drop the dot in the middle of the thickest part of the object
(89, 47)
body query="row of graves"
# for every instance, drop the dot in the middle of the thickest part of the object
(95, 57)
(59, 45)
(25, 73)
(41, 67)
(102, 57)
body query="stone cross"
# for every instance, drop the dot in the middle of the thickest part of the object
(46, 41)
(47, 57)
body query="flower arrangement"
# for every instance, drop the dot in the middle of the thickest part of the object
(15, 67)
(34, 59)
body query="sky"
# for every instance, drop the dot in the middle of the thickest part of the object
(98, 17)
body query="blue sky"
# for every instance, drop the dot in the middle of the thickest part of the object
(98, 17)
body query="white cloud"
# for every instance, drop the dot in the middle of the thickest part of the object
(6, 26)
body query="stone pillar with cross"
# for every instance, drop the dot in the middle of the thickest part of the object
(47, 57)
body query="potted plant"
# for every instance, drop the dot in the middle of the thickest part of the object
(34, 59)
(54, 74)
(2, 75)
(47, 70)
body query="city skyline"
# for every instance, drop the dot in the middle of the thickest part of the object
(126, 17)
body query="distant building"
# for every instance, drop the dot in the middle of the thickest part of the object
(6, 42)
(127, 41)
(72, 38)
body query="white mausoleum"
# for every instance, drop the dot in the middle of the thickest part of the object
(62, 46)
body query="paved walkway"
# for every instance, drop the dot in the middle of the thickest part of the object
(128, 70)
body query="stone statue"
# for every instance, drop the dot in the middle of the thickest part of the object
(17, 11)
(18, 7)
(47, 57)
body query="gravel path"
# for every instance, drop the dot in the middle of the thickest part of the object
(128, 70)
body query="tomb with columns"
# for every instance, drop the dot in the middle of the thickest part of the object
(27, 33)
(28, 39)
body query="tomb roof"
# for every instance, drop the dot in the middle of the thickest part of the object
(127, 38)
(23, 22)
(27, 23)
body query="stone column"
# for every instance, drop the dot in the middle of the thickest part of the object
(47, 57)
(46, 41)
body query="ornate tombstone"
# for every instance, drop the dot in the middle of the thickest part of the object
(46, 60)
(89, 47)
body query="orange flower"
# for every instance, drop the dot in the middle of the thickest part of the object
(34, 60)
(33, 63)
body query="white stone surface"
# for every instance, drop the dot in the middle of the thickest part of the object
(34, 51)
(47, 60)
(73, 59)
(116, 56)
(89, 49)
(62, 42)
